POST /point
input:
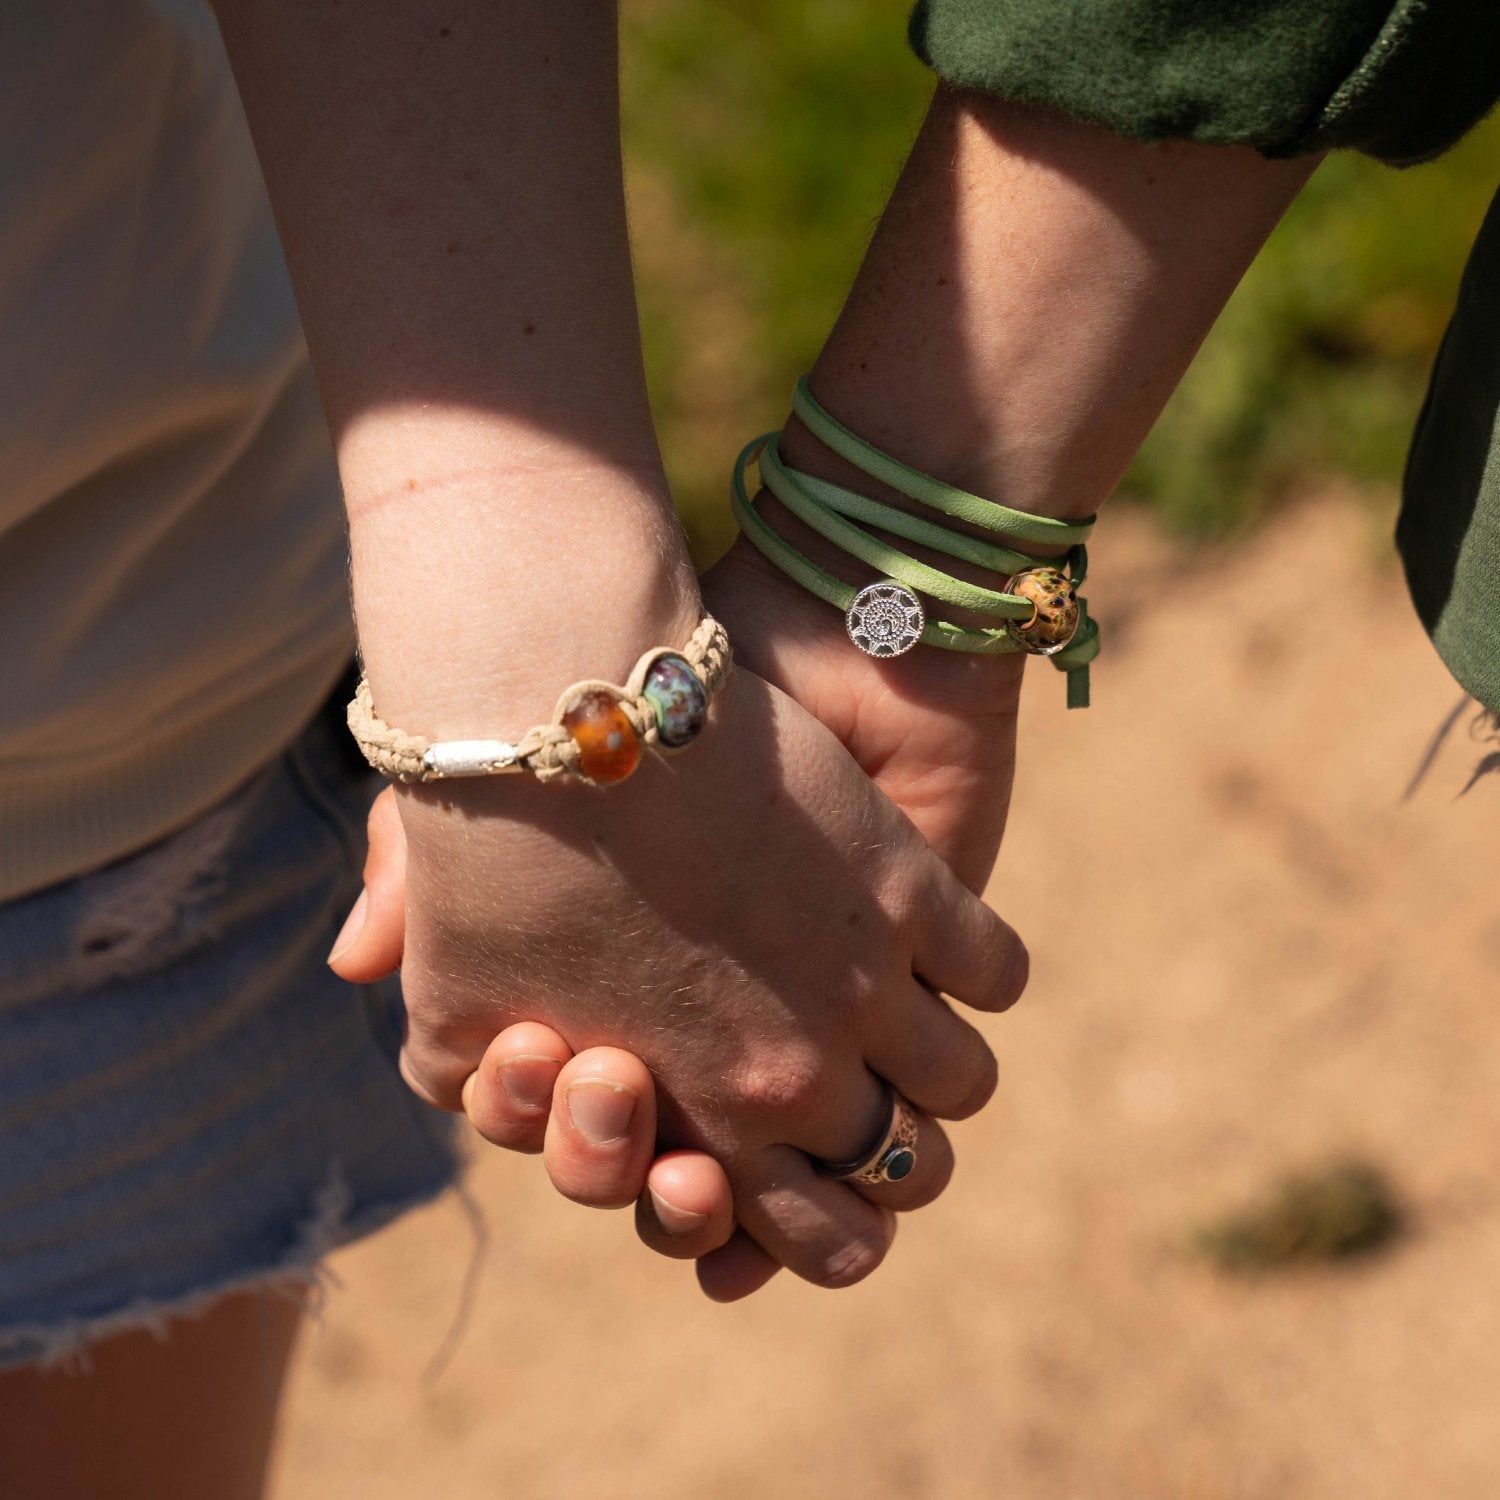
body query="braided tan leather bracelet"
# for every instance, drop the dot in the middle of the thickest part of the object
(597, 730)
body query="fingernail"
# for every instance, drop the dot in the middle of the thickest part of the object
(528, 1081)
(354, 924)
(673, 1219)
(601, 1111)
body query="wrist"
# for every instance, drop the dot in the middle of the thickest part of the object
(785, 634)
(782, 507)
(477, 605)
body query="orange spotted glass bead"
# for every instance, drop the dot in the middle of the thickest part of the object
(1054, 611)
(608, 749)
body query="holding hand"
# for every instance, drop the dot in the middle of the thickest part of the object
(766, 973)
(509, 1098)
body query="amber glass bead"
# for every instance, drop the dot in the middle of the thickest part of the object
(1054, 602)
(608, 749)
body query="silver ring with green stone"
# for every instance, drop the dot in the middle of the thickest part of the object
(894, 1155)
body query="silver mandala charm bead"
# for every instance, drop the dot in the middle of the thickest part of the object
(885, 619)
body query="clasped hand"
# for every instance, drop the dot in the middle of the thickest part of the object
(754, 927)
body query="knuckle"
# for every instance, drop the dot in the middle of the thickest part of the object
(1007, 967)
(847, 1265)
(788, 1084)
(867, 989)
(977, 1090)
(904, 900)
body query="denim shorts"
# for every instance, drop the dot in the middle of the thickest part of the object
(191, 1102)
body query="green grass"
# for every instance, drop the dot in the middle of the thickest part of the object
(1337, 1212)
(763, 139)
(1318, 364)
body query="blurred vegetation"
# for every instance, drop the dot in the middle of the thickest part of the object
(763, 137)
(1336, 1212)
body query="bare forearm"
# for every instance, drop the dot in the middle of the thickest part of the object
(1034, 293)
(447, 182)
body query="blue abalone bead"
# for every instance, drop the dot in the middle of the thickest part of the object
(677, 698)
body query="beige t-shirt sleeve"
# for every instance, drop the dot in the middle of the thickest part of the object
(173, 596)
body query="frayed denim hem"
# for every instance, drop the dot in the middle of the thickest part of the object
(299, 1274)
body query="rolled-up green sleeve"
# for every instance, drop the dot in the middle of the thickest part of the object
(1449, 531)
(1401, 82)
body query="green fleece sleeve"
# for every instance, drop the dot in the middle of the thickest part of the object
(1449, 531)
(1400, 81)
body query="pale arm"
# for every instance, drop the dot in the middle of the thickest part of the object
(447, 182)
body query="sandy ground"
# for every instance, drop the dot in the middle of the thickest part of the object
(1249, 953)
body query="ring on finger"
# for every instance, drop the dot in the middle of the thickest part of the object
(893, 1156)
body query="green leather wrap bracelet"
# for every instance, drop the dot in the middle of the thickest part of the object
(1038, 610)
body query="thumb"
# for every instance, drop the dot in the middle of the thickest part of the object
(374, 934)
